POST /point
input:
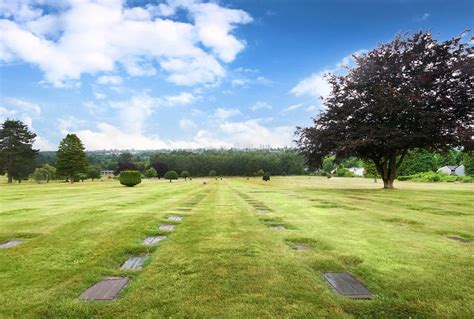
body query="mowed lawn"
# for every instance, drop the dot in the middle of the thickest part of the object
(224, 260)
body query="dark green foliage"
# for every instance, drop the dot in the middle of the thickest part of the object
(130, 178)
(150, 173)
(411, 93)
(125, 163)
(341, 171)
(212, 173)
(93, 173)
(16, 150)
(72, 159)
(171, 175)
(185, 174)
(468, 163)
(266, 176)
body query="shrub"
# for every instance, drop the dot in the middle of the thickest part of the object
(266, 176)
(130, 178)
(260, 172)
(171, 175)
(40, 175)
(212, 172)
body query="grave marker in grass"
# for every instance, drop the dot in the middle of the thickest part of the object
(11, 243)
(134, 263)
(150, 241)
(165, 227)
(344, 284)
(278, 228)
(106, 289)
(175, 218)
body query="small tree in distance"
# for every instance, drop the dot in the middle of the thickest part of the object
(212, 173)
(151, 173)
(266, 177)
(260, 172)
(184, 174)
(171, 175)
(40, 175)
(72, 159)
(93, 173)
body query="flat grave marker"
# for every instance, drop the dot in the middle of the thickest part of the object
(106, 289)
(278, 228)
(134, 263)
(344, 284)
(11, 243)
(300, 246)
(262, 211)
(150, 241)
(166, 227)
(460, 239)
(175, 218)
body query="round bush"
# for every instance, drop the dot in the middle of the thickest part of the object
(130, 178)
(266, 177)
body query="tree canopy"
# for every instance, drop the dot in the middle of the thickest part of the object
(16, 150)
(411, 93)
(72, 159)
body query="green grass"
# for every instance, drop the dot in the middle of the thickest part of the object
(223, 260)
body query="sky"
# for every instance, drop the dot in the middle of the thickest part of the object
(186, 74)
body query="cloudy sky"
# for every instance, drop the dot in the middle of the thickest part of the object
(149, 74)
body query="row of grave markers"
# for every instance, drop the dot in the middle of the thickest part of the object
(341, 283)
(109, 288)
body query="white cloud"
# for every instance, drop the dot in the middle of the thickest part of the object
(293, 107)
(187, 124)
(252, 133)
(261, 105)
(23, 106)
(109, 79)
(43, 144)
(134, 113)
(110, 137)
(316, 85)
(225, 113)
(94, 36)
(181, 99)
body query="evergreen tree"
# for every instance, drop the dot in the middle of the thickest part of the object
(16, 150)
(72, 159)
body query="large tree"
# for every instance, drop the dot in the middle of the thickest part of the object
(72, 159)
(16, 150)
(413, 92)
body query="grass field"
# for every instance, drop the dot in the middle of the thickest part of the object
(223, 260)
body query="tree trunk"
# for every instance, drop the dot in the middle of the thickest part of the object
(10, 173)
(71, 179)
(388, 184)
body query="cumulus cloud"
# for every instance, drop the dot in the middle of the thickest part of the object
(65, 45)
(23, 106)
(181, 99)
(316, 85)
(224, 113)
(109, 79)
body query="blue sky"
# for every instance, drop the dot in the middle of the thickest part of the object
(190, 74)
